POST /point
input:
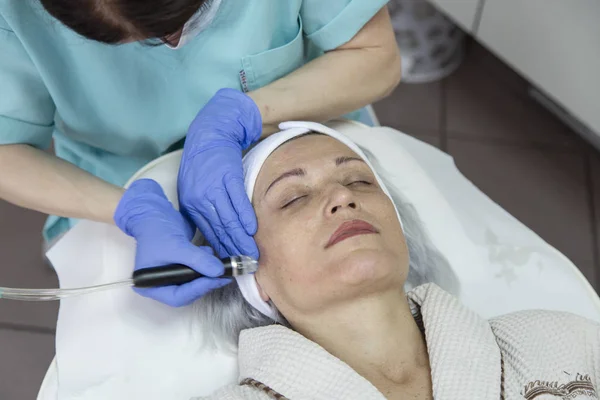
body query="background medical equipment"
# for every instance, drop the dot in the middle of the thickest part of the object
(168, 275)
(432, 46)
(502, 267)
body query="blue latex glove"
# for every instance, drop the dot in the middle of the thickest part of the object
(211, 180)
(164, 237)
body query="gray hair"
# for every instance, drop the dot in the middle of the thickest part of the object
(224, 312)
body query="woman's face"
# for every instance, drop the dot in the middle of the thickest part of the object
(327, 233)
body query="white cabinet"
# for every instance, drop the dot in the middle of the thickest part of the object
(553, 43)
(462, 12)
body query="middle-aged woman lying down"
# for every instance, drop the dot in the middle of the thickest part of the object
(327, 317)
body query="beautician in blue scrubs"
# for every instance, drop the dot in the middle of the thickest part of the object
(118, 83)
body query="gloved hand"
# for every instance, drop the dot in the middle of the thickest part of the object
(164, 237)
(211, 182)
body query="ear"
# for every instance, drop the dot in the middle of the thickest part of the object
(263, 294)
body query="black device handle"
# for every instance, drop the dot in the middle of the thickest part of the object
(172, 274)
(167, 275)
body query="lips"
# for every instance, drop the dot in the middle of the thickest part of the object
(350, 229)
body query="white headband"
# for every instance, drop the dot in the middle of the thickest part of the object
(253, 162)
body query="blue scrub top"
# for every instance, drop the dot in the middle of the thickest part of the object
(113, 109)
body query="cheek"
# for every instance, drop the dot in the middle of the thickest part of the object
(286, 245)
(397, 243)
(391, 225)
(394, 226)
(280, 244)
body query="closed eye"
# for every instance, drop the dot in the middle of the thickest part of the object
(358, 183)
(289, 203)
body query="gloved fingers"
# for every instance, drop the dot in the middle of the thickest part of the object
(147, 185)
(238, 235)
(179, 296)
(227, 244)
(202, 260)
(235, 115)
(240, 243)
(233, 236)
(227, 219)
(179, 251)
(141, 196)
(241, 204)
(210, 212)
(209, 233)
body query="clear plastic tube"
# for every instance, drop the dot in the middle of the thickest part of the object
(57, 294)
(150, 277)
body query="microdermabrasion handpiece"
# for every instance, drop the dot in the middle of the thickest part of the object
(168, 275)
(177, 274)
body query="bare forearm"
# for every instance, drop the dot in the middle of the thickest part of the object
(353, 76)
(37, 180)
(323, 89)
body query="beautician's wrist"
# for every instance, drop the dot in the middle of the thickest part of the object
(268, 130)
(269, 125)
(114, 197)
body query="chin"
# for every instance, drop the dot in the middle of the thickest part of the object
(369, 267)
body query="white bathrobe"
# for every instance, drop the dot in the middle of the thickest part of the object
(525, 355)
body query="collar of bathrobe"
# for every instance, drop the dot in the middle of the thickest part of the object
(464, 356)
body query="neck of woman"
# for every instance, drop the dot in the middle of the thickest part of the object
(376, 336)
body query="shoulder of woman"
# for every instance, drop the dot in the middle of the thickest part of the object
(543, 325)
(236, 392)
(543, 321)
(542, 350)
(546, 335)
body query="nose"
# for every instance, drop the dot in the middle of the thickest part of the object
(349, 205)
(341, 199)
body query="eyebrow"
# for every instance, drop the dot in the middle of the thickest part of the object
(342, 160)
(301, 172)
(288, 174)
